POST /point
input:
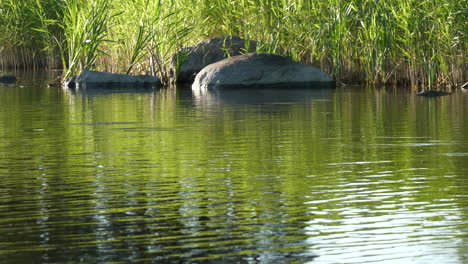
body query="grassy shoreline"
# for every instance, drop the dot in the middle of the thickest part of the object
(418, 43)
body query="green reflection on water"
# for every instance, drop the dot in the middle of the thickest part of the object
(170, 177)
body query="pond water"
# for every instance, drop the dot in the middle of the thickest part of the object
(346, 175)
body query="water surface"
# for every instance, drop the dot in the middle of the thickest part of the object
(329, 176)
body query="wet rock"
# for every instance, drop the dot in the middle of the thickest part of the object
(260, 70)
(432, 93)
(7, 78)
(193, 59)
(94, 79)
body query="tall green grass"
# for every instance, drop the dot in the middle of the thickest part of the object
(86, 25)
(144, 37)
(22, 41)
(409, 42)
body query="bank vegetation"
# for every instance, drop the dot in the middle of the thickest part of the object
(419, 43)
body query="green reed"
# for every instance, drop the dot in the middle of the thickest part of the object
(86, 25)
(145, 36)
(410, 42)
(23, 42)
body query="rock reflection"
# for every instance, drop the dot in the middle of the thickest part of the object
(260, 95)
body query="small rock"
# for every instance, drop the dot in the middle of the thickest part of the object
(94, 79)
(7, 78)
(432, 93)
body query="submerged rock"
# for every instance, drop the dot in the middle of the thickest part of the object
(260, 70)
(7, 78)
(193, 59)
(94, 79)
(432, 93)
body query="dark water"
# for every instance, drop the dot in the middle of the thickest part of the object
(167, 176)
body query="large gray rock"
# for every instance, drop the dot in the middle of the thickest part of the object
(259, 70)
(193, 59)
(94, 79)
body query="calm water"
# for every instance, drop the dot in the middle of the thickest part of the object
(166, 176)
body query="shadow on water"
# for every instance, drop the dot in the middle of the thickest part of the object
(260, 96)
(112, 90)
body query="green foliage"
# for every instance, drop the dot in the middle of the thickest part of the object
(85, 25)
(145, 36)
(27, 27)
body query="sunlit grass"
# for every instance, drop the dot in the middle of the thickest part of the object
(410, 42)
(22, 39)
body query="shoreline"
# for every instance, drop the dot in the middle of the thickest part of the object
(411, 43)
